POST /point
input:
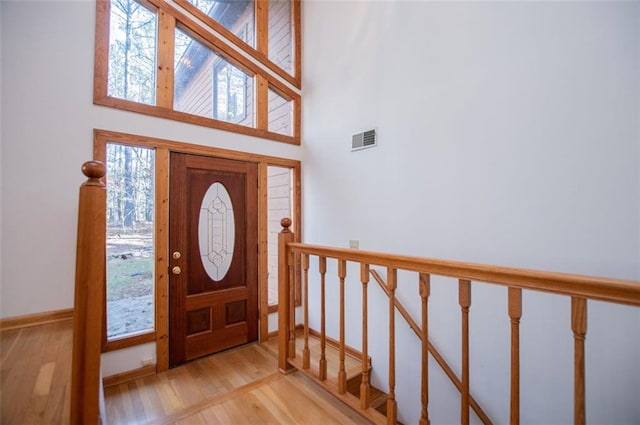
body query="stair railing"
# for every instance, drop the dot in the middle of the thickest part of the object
(578, 287)
(422, 333)
(88, 310)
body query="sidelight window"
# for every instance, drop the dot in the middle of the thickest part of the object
(280, 198)
(130, 243)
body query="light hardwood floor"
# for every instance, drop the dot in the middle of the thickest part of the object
(238, 386)
(36, 374)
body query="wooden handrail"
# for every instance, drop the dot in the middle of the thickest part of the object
(432, 349)
(86, 385)
(578, 288)
(598, 288)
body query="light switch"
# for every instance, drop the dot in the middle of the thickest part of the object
(354, 244)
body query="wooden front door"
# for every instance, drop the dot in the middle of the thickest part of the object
(213, 249)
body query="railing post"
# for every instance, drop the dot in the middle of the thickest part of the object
(306, 354)
(284, 238)
(89, 297)
(464, 297)
(515, 312)
(365, 387)
(579, 327)
(342, 373)
(292, 305)
(425, 289)
(392, 406)
(322, 365)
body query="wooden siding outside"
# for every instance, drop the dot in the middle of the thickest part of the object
(280, 33)
(197, 97)
(280, 112)
(278, 207)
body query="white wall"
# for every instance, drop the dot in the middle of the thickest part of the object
(1, 61)
(509, 134)
(48, 118)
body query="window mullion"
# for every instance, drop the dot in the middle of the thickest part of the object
(262, 96)
(262, 27)
(297, 41)
(166, 45)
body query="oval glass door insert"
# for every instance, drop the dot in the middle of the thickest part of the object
(216, 231)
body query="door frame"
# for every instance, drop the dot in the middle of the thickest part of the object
(163, 148)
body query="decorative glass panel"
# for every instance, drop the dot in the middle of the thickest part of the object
(280, 113)
(130, 246)
(216, 231)
(236, 15)
(132, 52)
(209, 86)
(280, 34)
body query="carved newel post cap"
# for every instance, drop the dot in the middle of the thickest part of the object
(285, 223)
(94, 169)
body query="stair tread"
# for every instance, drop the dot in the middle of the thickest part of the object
(353, 369)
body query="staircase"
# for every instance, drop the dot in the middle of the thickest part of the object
(377, 397)
(377, 411)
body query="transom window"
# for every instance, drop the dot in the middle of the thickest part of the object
(153, 58)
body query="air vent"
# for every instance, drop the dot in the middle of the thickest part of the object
(364, 140)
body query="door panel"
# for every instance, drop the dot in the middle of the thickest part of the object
(213, 226)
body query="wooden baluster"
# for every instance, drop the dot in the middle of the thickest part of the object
(515, 312)
(306, 355)
(464, 297)
(425, 289)
(392, 413)
(365, 387)
(88, 318)
(579, 327)
(342, 373)
(322, 369)
(285, 237)
(292, 305)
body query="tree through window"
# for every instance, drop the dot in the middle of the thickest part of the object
(130, 246)
(132, 52)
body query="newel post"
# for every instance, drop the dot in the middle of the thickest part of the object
(285, 313)
(88, 309)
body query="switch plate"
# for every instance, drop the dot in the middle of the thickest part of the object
(354, 244)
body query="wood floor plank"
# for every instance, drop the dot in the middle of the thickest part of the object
(9, 340)
(218, 414)
(43, 381)
(151, 402)
(326, 401)
(35, 374)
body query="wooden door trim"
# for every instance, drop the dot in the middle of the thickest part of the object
(163, 147)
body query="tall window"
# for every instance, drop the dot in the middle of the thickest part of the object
(130, 245)
(205, 62)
